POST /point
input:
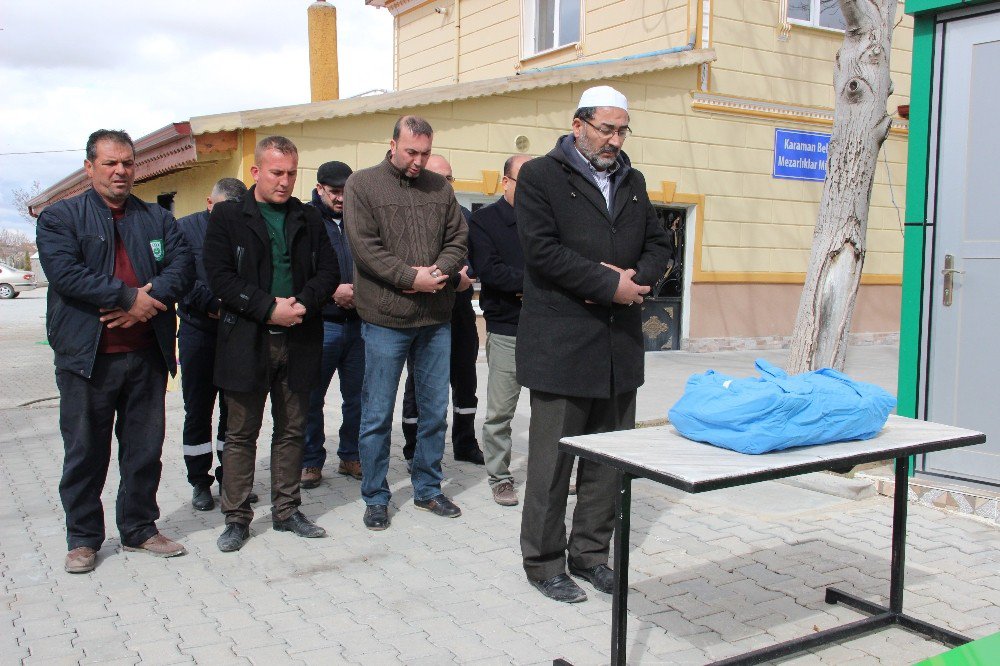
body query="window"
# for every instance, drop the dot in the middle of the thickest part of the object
(819, 13)
(549, 24)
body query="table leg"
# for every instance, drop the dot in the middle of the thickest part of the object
(619, 602)
(900, 505)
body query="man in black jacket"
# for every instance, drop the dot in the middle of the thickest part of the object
(343, 348)
(269, 260)
(497, 258)
(199, 314)
(592, 247)
(116, 265)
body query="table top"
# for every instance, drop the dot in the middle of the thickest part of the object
(664, 455)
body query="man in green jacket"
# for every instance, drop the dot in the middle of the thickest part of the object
(408, 236)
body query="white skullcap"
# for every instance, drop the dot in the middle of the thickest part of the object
(603, 96)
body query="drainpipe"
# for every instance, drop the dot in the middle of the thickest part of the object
(458, 37)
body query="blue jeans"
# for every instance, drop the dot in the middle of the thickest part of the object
(385, 354)
(343, 352)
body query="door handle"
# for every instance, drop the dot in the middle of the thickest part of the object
(949, 272)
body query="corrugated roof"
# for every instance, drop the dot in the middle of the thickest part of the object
(406, 99)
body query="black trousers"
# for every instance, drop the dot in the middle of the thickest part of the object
(543, 520)
(464, 354)
(197, 356)
(125, 393)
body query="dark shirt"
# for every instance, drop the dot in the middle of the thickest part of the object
(140, 335)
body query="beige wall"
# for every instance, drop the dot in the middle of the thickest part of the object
(491, 38)
(754, 62)
(760, 310)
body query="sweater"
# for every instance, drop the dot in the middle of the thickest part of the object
(398, 223)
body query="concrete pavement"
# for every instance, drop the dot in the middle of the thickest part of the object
(712, 575)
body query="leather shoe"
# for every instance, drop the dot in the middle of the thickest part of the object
(376, 517)
(252, 497)
(158, 546)
(350, 468)
(439, 506)
(233, 537)
(474, 456)
(299, 525)
(601, 577)
(201, 499)
(80, 560)
(560, 588)
(311, 476)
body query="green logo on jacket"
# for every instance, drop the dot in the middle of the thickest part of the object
(157, 247)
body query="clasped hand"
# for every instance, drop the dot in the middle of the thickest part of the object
(287, 312)
(628, 292)
(144, 308)
(428, 280)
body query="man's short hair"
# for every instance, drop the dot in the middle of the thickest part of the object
(282, 144)
(115, 136)
(417, 126)
(585, 113)
(228, 189)
(508, 166)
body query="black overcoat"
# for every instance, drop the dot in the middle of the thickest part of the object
(571, 339)
(238, 265)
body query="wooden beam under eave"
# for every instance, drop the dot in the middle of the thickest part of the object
(216, 142)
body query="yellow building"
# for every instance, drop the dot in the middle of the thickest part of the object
(709, 83)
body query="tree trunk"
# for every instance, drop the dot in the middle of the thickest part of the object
(860, 126)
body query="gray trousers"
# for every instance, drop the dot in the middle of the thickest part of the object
(502, 392)
(239, 456)
(543, 520)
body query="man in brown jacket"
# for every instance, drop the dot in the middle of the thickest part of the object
(408, 236)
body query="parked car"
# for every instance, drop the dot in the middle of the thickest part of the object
(14, 280)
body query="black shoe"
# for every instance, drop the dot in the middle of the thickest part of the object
(252, 497)
(474, 456)
(440, 506)
(560, 588)
(233, 537)
(601, 577)
(300, 525)
(376, 517)
(201, 499)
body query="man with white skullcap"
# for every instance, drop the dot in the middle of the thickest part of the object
(592, 247)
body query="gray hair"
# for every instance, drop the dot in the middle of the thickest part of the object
(115, 136)
(228, 189)
(282, 144)
(417, 126)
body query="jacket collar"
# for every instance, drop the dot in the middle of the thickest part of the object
(569, 157)
(294, 219)
(131, 203)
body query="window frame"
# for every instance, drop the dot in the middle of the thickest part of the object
(529, 16)
(814, 11)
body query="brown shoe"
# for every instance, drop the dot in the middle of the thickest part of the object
(350, 468)
(81, 560)
(504, 495)
(159, 546)
(311, 476)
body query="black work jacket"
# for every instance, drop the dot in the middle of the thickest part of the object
(239, 269)
(199, 302)
(76, 247)
(571, 339)
(495, 251)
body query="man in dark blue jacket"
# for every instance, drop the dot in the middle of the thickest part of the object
(115, 265)
(343, 348)
(498, 260)
(199, 314)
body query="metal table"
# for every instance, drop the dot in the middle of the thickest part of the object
(661, 454)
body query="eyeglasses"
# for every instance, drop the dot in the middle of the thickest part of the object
(606, 131)
(511, 179)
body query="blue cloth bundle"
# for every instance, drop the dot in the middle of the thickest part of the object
(776, 411)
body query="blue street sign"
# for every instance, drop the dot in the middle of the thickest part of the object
(800, 155)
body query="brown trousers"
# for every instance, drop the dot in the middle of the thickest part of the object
(543, 520)
(239, 457)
